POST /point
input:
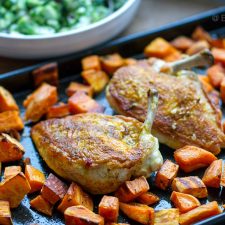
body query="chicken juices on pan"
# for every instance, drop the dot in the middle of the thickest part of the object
(185, 114)
(100, 152)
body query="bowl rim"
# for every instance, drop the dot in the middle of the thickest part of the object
(92, 26)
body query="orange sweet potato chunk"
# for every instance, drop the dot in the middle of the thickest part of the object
(10, 120)
(200, 213)
(206, 83)
(53, 189)
(173, 56)
(91, 62)
(40, 101)
(35, 178)
(74, 87)
(47, 73)
(75, 215)
(216, 74)
(42, 205)
(7, 102)
(111, 63)
(132, 189)
(11, 171)
(75, 196)
(192, 185)
(138, 212)
(148, 198)
(166, 174)
(159, 48)
(81, 103)
(96, 79)
(167, 217)
(130, 61)
(222, 90)
(58, 111)
(184, 202)
(219, 55)
(5, 214)
(10, 149)
(212, 175)
(190, 158)
(182, 43)
(109, 208)
(14, 189)
(201, 34)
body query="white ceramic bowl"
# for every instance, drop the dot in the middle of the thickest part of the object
(45, 46)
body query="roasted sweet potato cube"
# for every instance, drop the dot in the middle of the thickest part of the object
(205, 83)
(111, 63)
(14, 189)
(219, 55)
(216, 74)
(109, 208)
(10, 149)
(96, 79)
(138, 212)
(176, 55)
(222, 90)
(47, 73)
(5, 214)
(91, 62)
(167, 217)
(40, 101)
(213, 174)
(35, 178)
(130, 61)
(166, 174)
(201, 34)
(11, 171)
(42, 205)
(197, 47)
(132, 189)
(58, 111)
(184, 202)
(191, 158)
(74, 87)
(81, 103)
(192, 185)
(10, 120)
(159, 48)
(53, 189)
(182, 43)
(75, 215)
(75, 196)
(200, 213)
(218, 43)
(7, 102)
(148, 198)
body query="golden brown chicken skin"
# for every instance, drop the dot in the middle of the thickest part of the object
(185, 115)
(99, 152)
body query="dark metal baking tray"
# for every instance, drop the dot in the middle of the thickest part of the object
(20, 83)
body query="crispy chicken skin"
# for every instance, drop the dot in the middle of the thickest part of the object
(185, 115)
(98, 151)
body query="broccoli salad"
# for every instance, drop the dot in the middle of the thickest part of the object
(32, 17)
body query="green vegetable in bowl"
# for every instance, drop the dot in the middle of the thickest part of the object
(30, 17)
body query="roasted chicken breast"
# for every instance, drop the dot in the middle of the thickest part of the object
(98, 151)
(185, 115)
